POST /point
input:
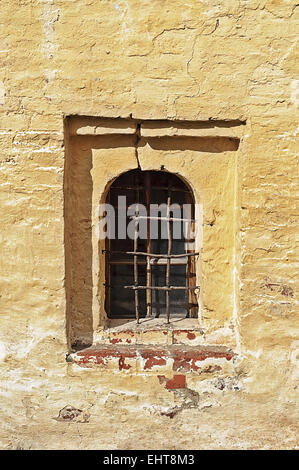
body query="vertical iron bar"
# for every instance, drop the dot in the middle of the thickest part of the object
(135, 257)
(187, 285)
(191, 260)
(148, 246)
(109, 259)
(187, 235)
(169, 235)
(136, 269)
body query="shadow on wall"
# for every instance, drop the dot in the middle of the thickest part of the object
(78, 244)
(199, 144)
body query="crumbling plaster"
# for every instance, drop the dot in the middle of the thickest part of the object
(193, 61)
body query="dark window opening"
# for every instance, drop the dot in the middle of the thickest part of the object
(151, 275)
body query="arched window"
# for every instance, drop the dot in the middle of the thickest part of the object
(150, 266)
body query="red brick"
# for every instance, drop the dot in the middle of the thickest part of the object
(178, 381)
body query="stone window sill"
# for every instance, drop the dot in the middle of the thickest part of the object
(139, 358)
(155, 346)
(151, 331)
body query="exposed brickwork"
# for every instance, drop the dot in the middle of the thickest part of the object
(153, 360)
(184, 358)
(160, 336)
(178, 381)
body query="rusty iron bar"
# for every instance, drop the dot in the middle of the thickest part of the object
(153, 262)
(135, 260)
(159, 287)
(187, 283)
(152, 255)
(108, 265)
(148, 246)
(155, 255)
(172, 219)
(151, 287)
(169, 235)
(136, 275)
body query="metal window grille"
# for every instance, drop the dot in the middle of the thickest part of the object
(147, 182)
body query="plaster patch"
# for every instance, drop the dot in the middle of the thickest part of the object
(49, 18)
(128, 21)
(49, 168)
(14, 202)
(34, 337)
(295, 92)
(291, 136)
(2, 93)
(255, 354)
(294, 358)
(2, 351)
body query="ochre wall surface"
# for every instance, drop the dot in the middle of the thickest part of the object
(148, 60)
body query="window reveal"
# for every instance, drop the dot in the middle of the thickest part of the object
(151, 276)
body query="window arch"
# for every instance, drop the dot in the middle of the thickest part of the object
(150, 266)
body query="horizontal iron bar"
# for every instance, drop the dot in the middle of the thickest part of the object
(126, 261)
(182, 261)
(171, 219)
(154, 262)
(162, 287)
(152, 255)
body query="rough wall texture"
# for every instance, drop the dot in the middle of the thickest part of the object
(196, 61)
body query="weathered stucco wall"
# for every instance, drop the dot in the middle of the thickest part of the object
(194, 61)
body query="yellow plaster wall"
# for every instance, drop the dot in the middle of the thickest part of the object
(189, 60)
